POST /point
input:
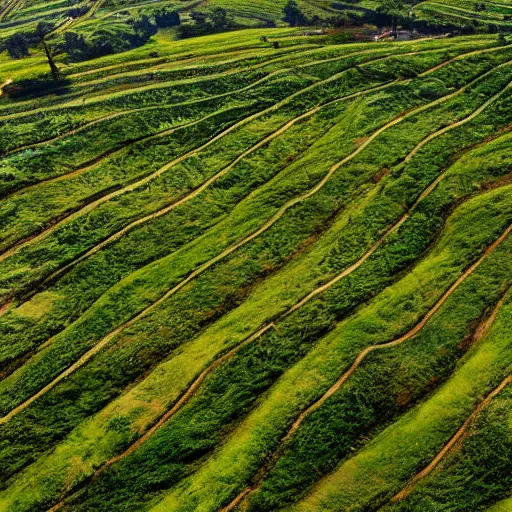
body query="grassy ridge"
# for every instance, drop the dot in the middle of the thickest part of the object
(216, 482)
(190, 301)
(266, 359)
(437, 419)
(52, 347)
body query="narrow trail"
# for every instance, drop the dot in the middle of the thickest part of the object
(200, 270)
(5, 307)
(453, 441)
(9, 7)
(134, 90)
(7, 82)
(129, 188)
(459, 123)
(206, 184)
(93, 9)
(109, 153)
(461, 57)
(257, 66)
(96, 99)
(191, 390)
(91, 100)
(114, 115)
(74, 131)
(201, 188)
(357, 363)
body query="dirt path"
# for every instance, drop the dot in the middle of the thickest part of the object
(129, 188)
(453, 441)
(99, 346)
(206, 184)
(200, 270)
(93, 9)
(357, 363)
(7, 82)
(118, 114)
(4, 308)
(114, 115)
(192, 388)
(461, 57)
(111, 152)
(459, 123)
(9, 7)
(93, 351)
(96, 99)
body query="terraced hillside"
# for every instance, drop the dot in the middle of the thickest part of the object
(496, 15)
(235, 276)
(110, 16)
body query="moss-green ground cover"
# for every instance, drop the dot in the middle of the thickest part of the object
(236, 228)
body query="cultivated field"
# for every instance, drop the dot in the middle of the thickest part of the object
(495, 15)
(235, 276)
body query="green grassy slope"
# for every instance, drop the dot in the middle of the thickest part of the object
(236, 277)
(459, 13)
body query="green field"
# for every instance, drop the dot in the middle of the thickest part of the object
(459, 13)
(238, 275)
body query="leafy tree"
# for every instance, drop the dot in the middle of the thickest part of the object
(293, 15)
(77, 12)
(216, 20)
(200, 20)
(502, 40)
(165, 18)
(16, 46)
(42, 30)
(220, 19)
(144, 28)
(395, 9)
(75, 45)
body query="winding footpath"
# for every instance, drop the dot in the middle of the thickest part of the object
(192, 388)
(267, 140)
(200, 270)
(110, 153)
(134, 185)
(91, 100)
(201, 188)
(453, 441)
(264, 470)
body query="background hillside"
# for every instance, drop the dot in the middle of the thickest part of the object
(93, 28)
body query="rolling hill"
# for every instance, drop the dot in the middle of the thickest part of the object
(257, 270)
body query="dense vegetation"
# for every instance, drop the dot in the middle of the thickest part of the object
(254, 270)
(77, 31)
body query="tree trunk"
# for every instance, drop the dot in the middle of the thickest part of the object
(53, 67)
(395, 27)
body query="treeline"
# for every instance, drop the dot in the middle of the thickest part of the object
(390, 13)
(120, 37)
(210, 22)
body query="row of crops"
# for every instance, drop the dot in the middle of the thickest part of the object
(260, 280)
(464, 13)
